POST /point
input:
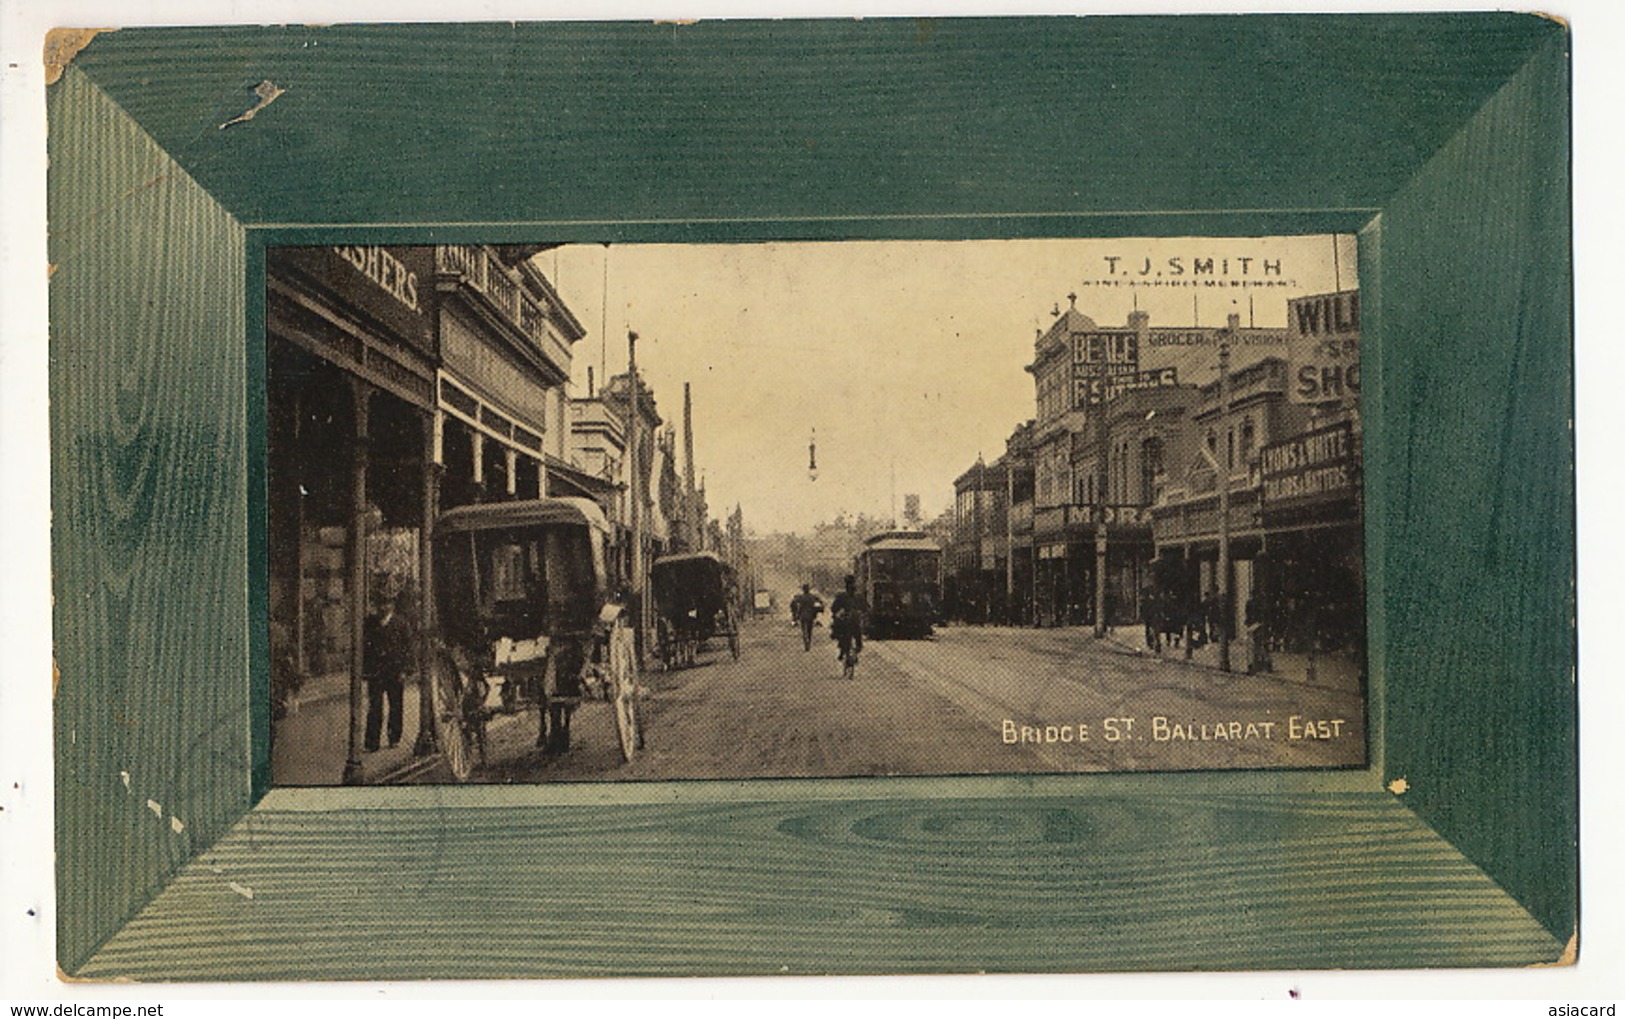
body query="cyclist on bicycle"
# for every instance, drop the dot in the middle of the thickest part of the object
(847, 614)
(804, 609)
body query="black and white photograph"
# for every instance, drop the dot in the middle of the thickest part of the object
(596, 512)
(805, 503)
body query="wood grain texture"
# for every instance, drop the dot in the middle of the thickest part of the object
(1451, 127)
(1470, 475)
(149, 522)
(811, 121)
(1092, 883)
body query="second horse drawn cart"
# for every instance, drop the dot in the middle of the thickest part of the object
(695, 598)
(525, 617)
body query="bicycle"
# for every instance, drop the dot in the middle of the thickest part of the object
(850, 646)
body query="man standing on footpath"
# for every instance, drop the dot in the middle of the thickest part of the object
(387, 654)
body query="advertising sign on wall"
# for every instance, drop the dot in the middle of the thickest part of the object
(1102, 389)
(1323, 347)
(1311, 467)
(394, 286)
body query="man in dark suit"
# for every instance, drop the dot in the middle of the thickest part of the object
(386, 657)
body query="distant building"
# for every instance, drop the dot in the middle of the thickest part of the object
(1185, 515)
(1113, 409)
(987, 558)
(675, 513)
(505, 339)
(597, 437)
(972, 564)
(1295, 534)
(1018, 460)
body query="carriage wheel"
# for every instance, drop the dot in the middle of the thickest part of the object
(545, 685)
(623, 676)
(446, 689)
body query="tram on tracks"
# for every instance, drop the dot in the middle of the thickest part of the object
(899, 575)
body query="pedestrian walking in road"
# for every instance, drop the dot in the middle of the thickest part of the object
(847, 614)
(1170, 619)
(386, 656)
(1151, 614)
(1195, 623)
(1213, 616)
(805, 609)
(1258, 638)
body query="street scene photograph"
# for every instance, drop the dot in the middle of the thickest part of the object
(548, 513)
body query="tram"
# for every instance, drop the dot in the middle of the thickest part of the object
(899, 575)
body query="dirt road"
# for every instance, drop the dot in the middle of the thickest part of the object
(970, 701)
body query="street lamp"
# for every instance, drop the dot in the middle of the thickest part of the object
(1221, 475)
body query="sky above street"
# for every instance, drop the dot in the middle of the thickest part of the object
(906, 357)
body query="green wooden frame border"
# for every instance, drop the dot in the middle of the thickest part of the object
(1490, 799)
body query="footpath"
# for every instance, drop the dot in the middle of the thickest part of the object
(1336, 670)
(311, 743)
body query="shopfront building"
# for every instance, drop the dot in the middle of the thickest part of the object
(401, 381)
(1312, 579)
(351, 354)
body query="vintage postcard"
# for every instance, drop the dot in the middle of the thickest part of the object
(882, 496)
(556, 513)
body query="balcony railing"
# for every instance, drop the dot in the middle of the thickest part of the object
(501, 290)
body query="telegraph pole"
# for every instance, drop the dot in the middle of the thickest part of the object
(976, 508)
(1098, 419)
(360, 518)
(1224, 468)
(635, 485)
(1100, 573)
(693, 523)
(1009, 542)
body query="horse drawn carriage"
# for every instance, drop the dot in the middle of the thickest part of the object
(525, 618)
(695, 598)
